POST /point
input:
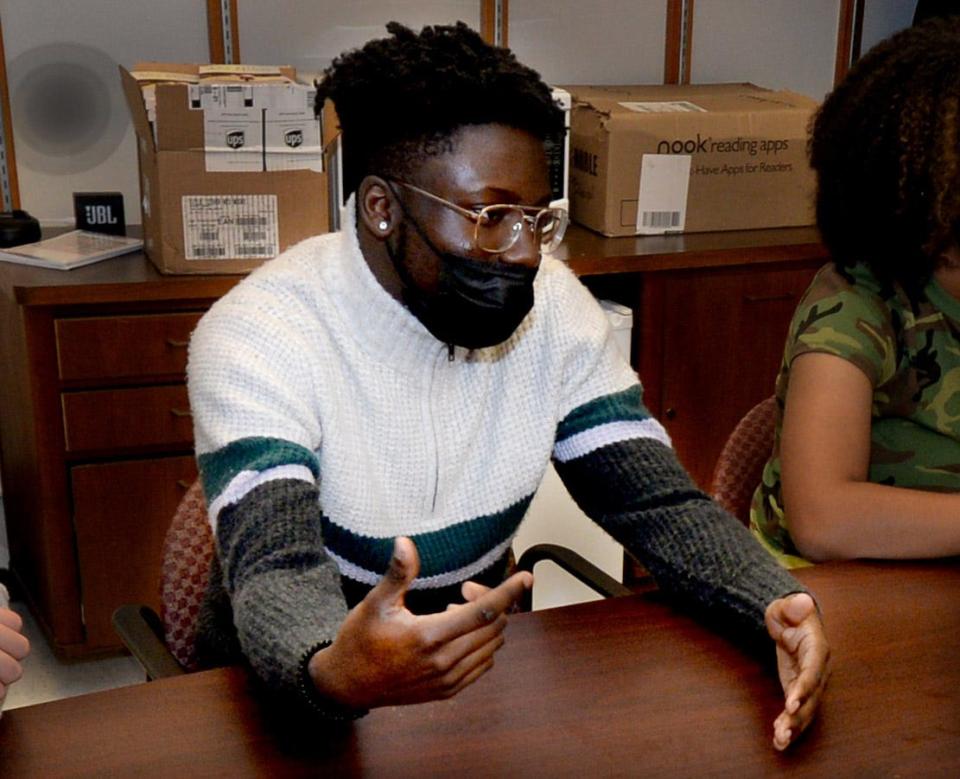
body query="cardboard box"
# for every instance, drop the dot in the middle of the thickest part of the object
(231, 164)
(689, 158)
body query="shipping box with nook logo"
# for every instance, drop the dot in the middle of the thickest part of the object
(232, 163)
(689, 158)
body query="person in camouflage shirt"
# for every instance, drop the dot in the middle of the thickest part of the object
(866, 457)
(912, 361)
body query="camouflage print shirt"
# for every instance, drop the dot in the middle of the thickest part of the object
(910, 353)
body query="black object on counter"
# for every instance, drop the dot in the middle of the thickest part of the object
(18, 227)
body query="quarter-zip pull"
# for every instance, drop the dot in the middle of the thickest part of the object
(450, 352)
(430, 413)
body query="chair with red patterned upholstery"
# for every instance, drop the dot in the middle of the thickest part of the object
(187, 552)
(166, 645)
(740, 465)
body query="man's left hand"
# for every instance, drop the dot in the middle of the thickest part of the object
(802, 661)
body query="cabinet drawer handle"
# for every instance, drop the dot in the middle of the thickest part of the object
(180, 412)
(766, 298)
(183, 484)
(173, 343)
(670, 413)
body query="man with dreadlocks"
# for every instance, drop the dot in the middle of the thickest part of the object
(375, 409)
(867, 461)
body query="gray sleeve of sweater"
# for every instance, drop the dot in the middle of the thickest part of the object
(641, 495)
(283, 587)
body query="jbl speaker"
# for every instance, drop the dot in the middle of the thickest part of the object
(100, 212)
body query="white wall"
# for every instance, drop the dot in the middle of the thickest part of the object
(308, 34)
(605, 42)
(782, 44)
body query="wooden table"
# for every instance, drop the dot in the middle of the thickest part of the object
(617, 687)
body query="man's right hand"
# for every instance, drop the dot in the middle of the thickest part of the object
(385, 655)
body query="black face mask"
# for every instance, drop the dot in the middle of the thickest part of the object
(477, 303)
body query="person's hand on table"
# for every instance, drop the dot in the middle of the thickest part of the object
(14, 647)
(386, 655)
(803, 657)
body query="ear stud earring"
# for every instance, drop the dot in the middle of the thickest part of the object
(383, 225)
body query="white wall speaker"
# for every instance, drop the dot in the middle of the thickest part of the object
(67, 106)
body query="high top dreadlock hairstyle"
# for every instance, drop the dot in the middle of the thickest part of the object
(886, 149)
(400, 99)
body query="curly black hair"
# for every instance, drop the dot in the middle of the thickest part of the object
(886, 149)
(402, 98)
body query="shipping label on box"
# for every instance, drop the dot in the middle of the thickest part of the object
(662, 202)
(689, 158)
(220, 226)
(661, 106)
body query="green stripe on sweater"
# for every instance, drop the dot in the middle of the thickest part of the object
(441, 551)
(618, 407)
(250, 454)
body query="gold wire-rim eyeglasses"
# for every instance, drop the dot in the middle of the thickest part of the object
(494, 239)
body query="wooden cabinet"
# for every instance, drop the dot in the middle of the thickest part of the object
(96, 438)
(711, 347)
(121, 513)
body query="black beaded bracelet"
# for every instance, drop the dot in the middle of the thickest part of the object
(324, 707)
